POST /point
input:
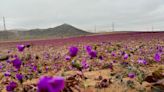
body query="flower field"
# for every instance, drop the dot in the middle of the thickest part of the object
(119, 62)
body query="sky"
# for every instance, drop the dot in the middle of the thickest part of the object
(126, 15)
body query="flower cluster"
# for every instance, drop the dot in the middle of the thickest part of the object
(51, 84)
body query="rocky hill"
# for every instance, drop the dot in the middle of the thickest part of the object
(64, 30)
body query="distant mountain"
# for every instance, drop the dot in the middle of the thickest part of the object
(7, 35)
(16, 30)
(64, 30)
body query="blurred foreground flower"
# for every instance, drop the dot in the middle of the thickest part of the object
(51, 84)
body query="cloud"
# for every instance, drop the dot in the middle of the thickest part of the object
(126, 14)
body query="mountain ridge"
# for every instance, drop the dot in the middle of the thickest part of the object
(64, 30)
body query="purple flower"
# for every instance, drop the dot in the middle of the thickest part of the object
(1, 66)
(19, 77)
(93, 54)
(84, 64)
(11, 86)
(142, 61)
(68, 58)
(111, 66)
(113, 54)
(126, 56)
(44, 85)
(7, 73)
(47, 68)
(73, 51)
(8, 61)
(51, 84)
(157, 57)
(28, 45)
(21, 47)
(114, 61)
(123, 53)
(8, 51)
(17, 63)
(88, 49)
(159, 48)
(100, 57)
(70, 67)
(131, 75)
(46, 55)
(34, 68)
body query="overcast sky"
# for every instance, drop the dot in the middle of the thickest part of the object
(84, 14)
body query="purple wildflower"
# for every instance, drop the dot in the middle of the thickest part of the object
(126, 56)
(131, 75)
(9, 51)
(73, 51)
(46, 55)
(1, 66)
(34, 68)
(113, 54)
(17, 63)
(100, 57)
(11, 86)
(84, 64)
(111, 66)
(88, 49)
(47, 68)
(7, 73)
(19, 77)
(157, 57)
(124, 64)
(21, 47)
(142, 61)
(114, 61)
(123, 53)
(68, 58)
(51, 84)
(8, 61)
(93, 54)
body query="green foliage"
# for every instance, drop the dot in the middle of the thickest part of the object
(4, 57)
(140, 76)
(76, 64)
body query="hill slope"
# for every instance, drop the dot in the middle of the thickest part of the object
(64, 30)
(7, 35)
